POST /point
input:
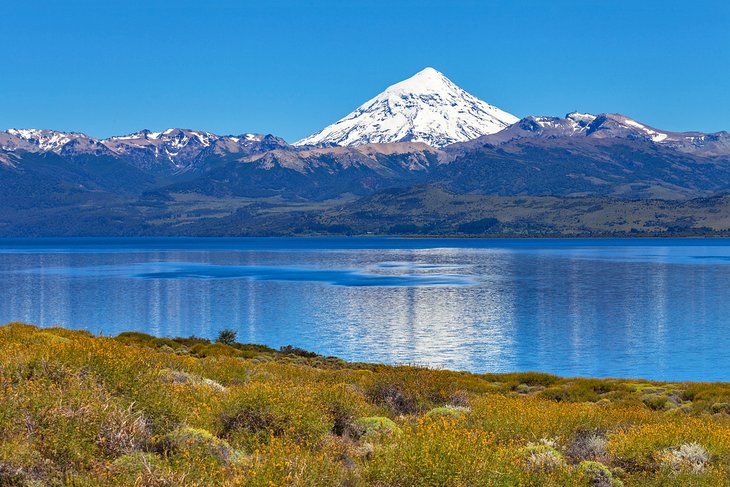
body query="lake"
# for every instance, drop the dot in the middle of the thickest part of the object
(653, 308)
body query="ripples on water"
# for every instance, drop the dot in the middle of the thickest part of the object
(644, 308)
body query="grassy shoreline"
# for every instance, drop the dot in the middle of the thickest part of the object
(78, 409)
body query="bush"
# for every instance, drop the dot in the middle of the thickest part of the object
(599, 475)
(655, 402)
(588, 445)
(527, 378)
(299, 352)
(192, 340)
(227, 336)
(373, 427)
(253, 414)
(123, 431)
(344, 403)
(449, 410)
(691, 457)
(203, 350)
(199, 445)
(542, 458)
(720, 408)
(143, 469)
(408, 390)
(398, 397)
(180, 377)
(435, 452)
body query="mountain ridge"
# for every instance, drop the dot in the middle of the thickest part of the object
(584, 154)
(172, 150)
(603, 125)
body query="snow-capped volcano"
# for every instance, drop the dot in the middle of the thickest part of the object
(426, 107)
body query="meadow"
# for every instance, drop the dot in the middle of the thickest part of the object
(84, 410)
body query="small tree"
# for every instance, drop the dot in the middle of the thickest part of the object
(227, 336)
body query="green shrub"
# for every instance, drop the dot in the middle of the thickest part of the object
(181, 377)
(581, 390)
(199, 445)
(528, 378)
(720, 407)
(599, 475)
(655, 402)
(227, 336)
(449, 410)
(165, 342)
(436, 453)
(135, 338)
(290, 350)
(373, 426)
(192, 340)
(408, 390)
(203, 350)
(144, 469)
(258, 411)
(344, 403)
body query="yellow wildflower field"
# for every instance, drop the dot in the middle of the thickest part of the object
(84, 410)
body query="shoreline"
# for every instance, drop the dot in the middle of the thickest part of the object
(384, 236)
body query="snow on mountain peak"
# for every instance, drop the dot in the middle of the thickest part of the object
(46, 140)
(26, 134)
(581, 118)
(425, 81)
(427, 107)
(655, 135)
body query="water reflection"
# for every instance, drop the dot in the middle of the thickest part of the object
(581, 308)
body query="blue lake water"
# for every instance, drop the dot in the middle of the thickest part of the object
(623, 308)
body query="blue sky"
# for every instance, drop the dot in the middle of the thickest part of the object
(292, 67)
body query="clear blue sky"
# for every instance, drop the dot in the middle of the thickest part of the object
(291, 67)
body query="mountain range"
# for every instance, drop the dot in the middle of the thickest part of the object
(422, 136)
